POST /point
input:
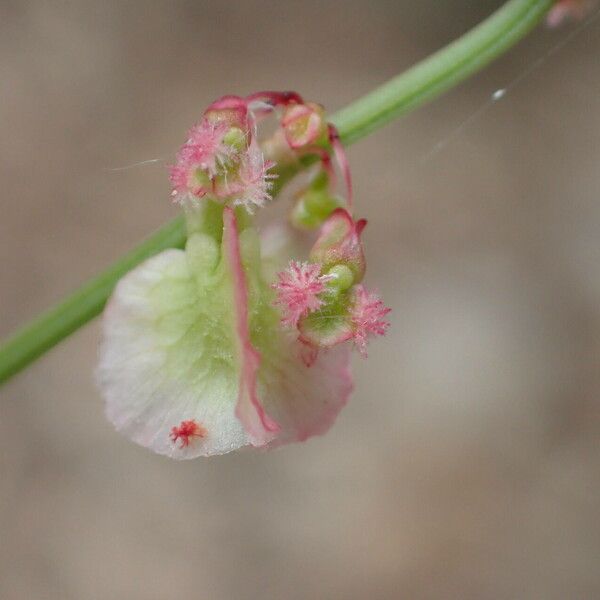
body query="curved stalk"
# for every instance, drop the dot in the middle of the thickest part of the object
(442, 70)
(409, 90)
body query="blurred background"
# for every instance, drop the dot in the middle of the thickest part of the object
(467, 465)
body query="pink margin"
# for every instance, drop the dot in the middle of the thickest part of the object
(263, 429)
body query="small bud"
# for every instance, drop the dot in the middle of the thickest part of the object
(304, 125)
(339, 244)
(231, 110)
(314, 204)
(341, 278)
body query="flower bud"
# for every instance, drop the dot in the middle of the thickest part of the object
(340, 278)
(231, 110)
(304, 125)
(339, 244)
(314, 204)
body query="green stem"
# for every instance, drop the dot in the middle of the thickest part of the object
(442, 70)
(423, 82)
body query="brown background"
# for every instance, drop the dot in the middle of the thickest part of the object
(467, 464)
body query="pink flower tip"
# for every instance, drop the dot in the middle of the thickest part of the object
(367, 317)
(298, 289)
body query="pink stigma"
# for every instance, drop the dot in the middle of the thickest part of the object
(186, 430)
(367, 316)
(203, 151)
(255, 182)
(298, 289)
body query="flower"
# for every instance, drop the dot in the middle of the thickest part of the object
(342, 310)
(298, 291)
(251, 185)
(366, 315)
(198, 355)
(221, 159)
(199, 161)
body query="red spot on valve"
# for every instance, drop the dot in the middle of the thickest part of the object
(185, 431)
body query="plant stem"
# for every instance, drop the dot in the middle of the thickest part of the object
(409, 90)
(442, 70)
